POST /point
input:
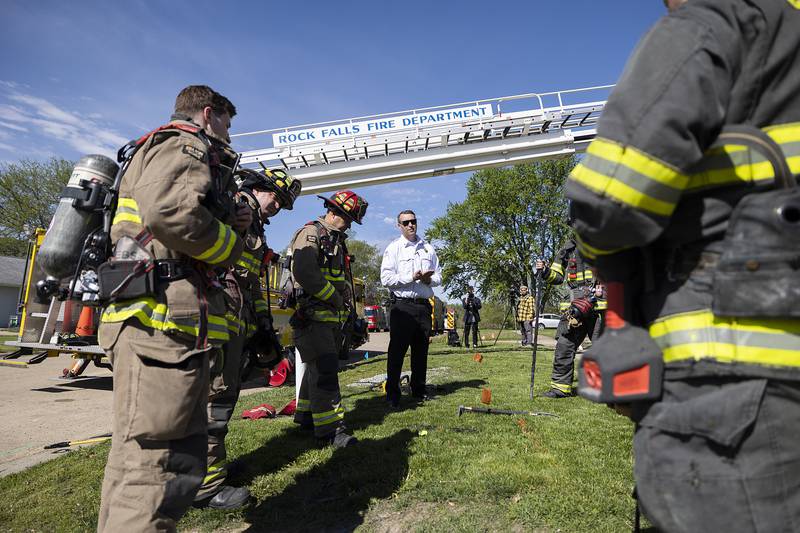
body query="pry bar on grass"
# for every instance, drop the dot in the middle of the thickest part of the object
(489, 411)
(68, 443)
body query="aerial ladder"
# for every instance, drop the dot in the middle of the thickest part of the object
(357, 152)
(432, 141)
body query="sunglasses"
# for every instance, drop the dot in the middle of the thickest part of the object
(407, 222)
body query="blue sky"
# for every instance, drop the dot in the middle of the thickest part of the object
(83, 77)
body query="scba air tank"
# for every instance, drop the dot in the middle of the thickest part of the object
(75, 218)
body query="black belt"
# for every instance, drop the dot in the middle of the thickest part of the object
(413, 300)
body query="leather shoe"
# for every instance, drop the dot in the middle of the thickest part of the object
(393, 403)
(227, 498)
(555, 393)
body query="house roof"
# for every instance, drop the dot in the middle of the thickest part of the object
(12, 271)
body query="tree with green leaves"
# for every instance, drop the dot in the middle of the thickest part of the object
(29, 193)
(511, 217)
(367, 266)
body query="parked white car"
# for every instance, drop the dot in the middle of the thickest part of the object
(549, 321)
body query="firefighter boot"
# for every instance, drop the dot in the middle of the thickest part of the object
(340, 440)
(227, 498)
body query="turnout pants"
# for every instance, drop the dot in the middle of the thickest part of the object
(158, 448)
(474, 326)
(569, 339)
(223, 395)
(721, 454)
(410, 326)
(319, 401)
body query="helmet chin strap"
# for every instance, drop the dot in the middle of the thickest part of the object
(254, 204)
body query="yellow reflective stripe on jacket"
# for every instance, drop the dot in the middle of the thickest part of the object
(601, 305)
(155, 315)
(323, 315)
(631, 177)
(555, 270)
(235, 326)
(221, 249)
(590, 251)
(563, 306)
(583, 276)
(331, 277)
(303, 406)
(325, 292)
(699, 335)
(218, 328)
(734, 164)
(261, 306)
(127, 211)
(328, 417)
(250, 262)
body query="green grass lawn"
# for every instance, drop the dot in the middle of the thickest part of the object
(418, 469)
(7, 337)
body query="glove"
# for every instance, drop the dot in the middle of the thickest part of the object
(265, 344)
(264, 410)
(579, 310)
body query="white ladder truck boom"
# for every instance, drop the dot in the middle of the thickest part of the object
(369, 150)
(432, 141)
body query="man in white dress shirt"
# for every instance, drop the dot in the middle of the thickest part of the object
(410, 270)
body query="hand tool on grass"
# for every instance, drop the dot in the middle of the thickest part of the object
(68, 443)
(490, 411)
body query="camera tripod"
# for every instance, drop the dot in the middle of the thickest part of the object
(505, 319)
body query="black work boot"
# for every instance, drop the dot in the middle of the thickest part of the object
(555, 393)
(340, 440)
(227, 498)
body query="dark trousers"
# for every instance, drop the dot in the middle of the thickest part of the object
(569, 339)
(721, 454)
(474, 327)
(409, 325)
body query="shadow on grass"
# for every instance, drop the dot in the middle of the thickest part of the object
(371, 411)
(489, 349)
(275, 453)
(336, 495)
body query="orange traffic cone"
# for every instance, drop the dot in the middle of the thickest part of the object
(85, 327)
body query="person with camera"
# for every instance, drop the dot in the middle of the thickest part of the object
(409, 269)
(579, 317)
(525, 314)
(472, 305)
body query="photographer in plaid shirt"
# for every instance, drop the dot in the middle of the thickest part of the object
(525, 315)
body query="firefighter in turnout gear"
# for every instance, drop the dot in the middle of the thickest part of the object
(323, 288)
(669, 184)
(176, 209)
(580, 315)
(265, 193)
